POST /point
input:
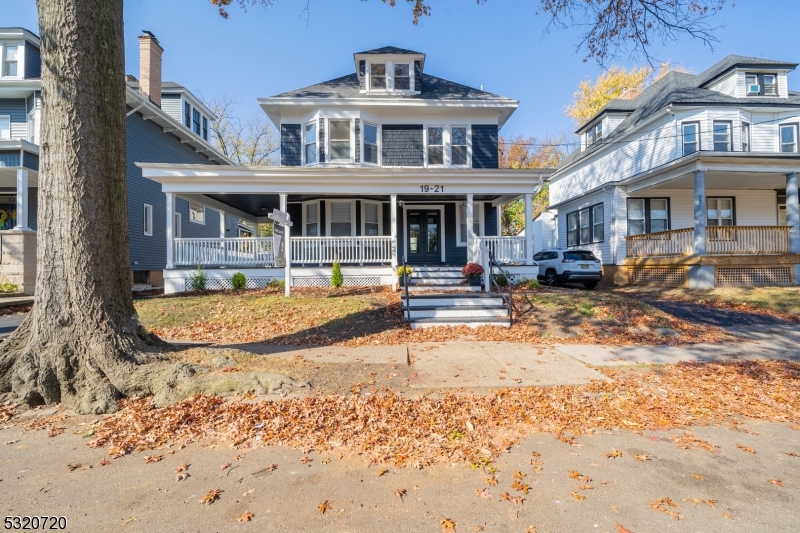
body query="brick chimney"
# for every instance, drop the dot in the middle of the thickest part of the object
(150, 67)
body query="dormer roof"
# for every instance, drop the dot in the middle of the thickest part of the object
(733, 61)
(389, 50)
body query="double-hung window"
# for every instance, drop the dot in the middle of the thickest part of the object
(196, 121)
(586, 225)
(572, 229)
(691, 137)
(312, 220)
(788, 134)
(598, 222)
(435, 146)
(402, 78)
(177, 229)
(310, 143)
(458, 146)
(745, 137)
(148, 220)
(770, 84)
(720, 211)
(722, 136)
(594, 134)
(753, 87)
(5, 126)
(10, 61)
(187, 114)
(205, 128)
(761, 84)
(197, 213)
(340, 140)
(370, 143)
(462, 221)
(371, 219)
(647, 215)
(377, 76)
(341, 220)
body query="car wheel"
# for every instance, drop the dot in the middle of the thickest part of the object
(550, 278)
(590, 285)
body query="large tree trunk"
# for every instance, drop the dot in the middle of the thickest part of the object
(82, 345)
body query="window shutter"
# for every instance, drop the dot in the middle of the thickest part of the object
(358, 141)
(362, 74)
(370, 213)
(340, 211)
(418, 76)
(321, 147)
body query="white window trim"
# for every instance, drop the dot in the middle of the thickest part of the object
(177, 228)
(427, 207)
(389, 77)
(8, 118)
(147, 219)
(449, 150)
(329, 212)
(794, 126)
(364, 216)
(328, 140)
(445, 143)
(378, 135)
(303, 140)
(21, 45)
(203, 222)
(476, 206)
(303, 217)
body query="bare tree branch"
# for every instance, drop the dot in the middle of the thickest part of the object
(248, 141)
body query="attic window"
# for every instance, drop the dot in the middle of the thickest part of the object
(594, 134)
(761, 84)
(377, 76)
(402, 79)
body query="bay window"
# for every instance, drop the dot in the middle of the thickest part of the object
(722, 136)
(372, 225)
(341, 219)
(458, 146)
(788, 134)
(311, 228)
(435, 146)
(691, 137)
(370, 143)
(310, 143)
(340, 140)
(745, 137)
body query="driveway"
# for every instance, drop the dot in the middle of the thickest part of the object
(8, 323)
(714, 316)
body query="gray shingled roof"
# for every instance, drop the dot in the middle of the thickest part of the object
(164, 85)
(433, 88)
(734, 61)
(389, 50)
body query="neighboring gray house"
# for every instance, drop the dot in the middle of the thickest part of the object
(692, 182)
(165, 124)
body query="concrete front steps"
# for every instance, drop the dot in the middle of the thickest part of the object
(439, 296)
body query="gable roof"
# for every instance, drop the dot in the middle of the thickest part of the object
(389, 50)
(433, 88)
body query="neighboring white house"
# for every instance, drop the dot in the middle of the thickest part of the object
(693, 181)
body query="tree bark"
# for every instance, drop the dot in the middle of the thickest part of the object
(82, 345)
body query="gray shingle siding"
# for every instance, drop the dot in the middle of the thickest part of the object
(33, 62)
(291, 146)
(146, 142)
(402, 145)
(321, 146)
(484, 146)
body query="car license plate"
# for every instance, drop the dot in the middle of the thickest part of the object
(585, 267)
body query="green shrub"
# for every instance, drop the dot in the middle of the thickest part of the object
(9, 287)
(337, 280)
(500, 279)
(275, 283)
(239, 281)
(533, 284)
(198, 280)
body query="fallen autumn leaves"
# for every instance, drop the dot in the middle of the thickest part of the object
(389, 428)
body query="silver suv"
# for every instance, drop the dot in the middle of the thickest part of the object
(569, 266)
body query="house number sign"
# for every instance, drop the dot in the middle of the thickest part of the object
(431, 188)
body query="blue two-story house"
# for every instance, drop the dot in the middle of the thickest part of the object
(165, 123)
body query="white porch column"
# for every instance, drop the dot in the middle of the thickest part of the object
(528, 229)
(22, 199)
(470, 244)
(170, 230)
(222, 223)
(699, 237)
(287, 270)
(393, 230)
(793, 212)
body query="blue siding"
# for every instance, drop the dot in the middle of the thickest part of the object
(17, 108)
(484, 146)
(490, 220)
(194, 230)
(402, 145)
(33, 206)
(30, 160)
(33, 62)
(291, 146)
(147, 143)
(9, 158)
(454, 255)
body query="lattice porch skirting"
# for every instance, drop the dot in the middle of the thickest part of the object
(325, 281)
(671, 275)
(778, 275)
(218, 284)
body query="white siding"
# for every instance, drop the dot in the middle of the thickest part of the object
(543, 228)
(173, 107)
(727, 84)
(601, 249)
(19, 130)
(611, 122)
(783, 85)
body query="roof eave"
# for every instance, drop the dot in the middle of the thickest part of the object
(777, 66)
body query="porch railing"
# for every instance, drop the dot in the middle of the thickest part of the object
(661, 243)
(749, 240)
(506, 250)
(241, 251)
(720, 240)
(346, 250)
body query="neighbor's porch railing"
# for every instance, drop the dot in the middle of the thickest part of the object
(241, 251)
(345, 250)
(506, 250)
(720, 240)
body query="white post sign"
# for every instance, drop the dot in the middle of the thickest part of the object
(280, 243)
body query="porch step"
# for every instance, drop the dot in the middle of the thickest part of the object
(437, 274)
(437, 280)
(453, 305)
(438, 287)
(475, 311)
(472, 322)
(452, 300)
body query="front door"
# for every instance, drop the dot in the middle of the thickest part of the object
(424, 237)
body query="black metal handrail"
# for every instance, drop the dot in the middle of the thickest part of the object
(405, 285)
(492, 282)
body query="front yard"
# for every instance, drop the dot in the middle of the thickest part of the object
(318, 317)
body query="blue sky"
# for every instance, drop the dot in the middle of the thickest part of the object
(501, 45)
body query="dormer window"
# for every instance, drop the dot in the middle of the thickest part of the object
(402, 78)
(10, 61)
(594, 134)
(761, 84)
(377, 76)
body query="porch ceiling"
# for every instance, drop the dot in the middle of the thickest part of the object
(730, 180)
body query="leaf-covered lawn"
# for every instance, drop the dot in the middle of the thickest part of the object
(360, 316)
